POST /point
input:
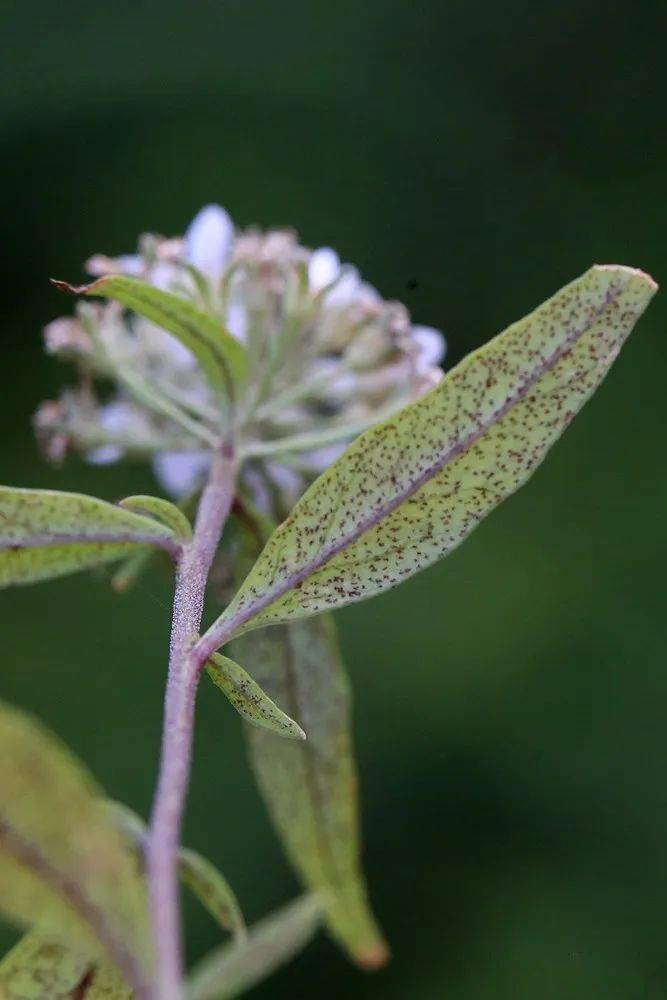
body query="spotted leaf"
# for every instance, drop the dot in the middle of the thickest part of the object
(311, 788)
(411, 489)
(45, 534)
(64, 868)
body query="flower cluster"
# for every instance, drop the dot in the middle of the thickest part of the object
(327, 355)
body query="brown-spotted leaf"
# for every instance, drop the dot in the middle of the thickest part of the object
(411, 489)
(47, 533)
(311, 787)
(64, 867)
(41, 968)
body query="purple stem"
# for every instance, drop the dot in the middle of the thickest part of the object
(184, 670)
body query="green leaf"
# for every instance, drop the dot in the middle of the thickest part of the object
(196, 872)
(39, 967)
(221, 356)
(45, 534)
(248, 698)
(63, 866)
(235, 968)
(411, 489)
(311, 788)
(162, 510)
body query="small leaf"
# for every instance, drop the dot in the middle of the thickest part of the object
(235, 968)
(212, 890)
(45, 533)
(411, 489)
(311, 788)
(221, 356)
(248, 698)
(39, 967)
(196, 872)
(63, 867)
(162, 510)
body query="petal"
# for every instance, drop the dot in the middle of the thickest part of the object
(431, 345)
(208, 241)
(180, 472)
(323, 268)
(106, 454)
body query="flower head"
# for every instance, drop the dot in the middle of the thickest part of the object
(327, 358)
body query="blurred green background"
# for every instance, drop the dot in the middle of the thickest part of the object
(470, 157)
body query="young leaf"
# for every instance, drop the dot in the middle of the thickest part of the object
(39, 967)
(162, 510)
(411, 489)
(45, 533)
(235, 968)
(221, 356)
(311, 788)
(196, 872)
(248, 698)
(63, 866)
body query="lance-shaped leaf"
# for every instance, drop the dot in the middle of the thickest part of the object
(162, 510)
(311, 788)
(411, 489)
(221, 356)
(196, 872)
(64, 868)
(45, 533)
(40, 967)
(235, 968)
(248, 698)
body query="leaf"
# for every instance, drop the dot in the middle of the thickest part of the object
(38, 968)
(162, 510)
(221, 356)
(234, 968)
(45, 533)
(411, 489)
(63, 867)
(196, 872)
(248, 698)
(311, 788)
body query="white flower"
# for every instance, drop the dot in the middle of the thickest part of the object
(208, 241)
(431, 345)
(323, 268)
(180, 473)
(326, 353)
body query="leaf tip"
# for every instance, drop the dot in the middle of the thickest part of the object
(64, 286)
(630, 273)
(374, 958)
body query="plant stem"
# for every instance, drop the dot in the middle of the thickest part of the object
(184, 669)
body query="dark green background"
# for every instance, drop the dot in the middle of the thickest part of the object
(511, 701)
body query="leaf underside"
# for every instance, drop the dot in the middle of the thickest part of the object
(249, 700)
(311, 788)
(411, 489)
(40, 968)
(235, 968)
(63, 867)
(46, 534)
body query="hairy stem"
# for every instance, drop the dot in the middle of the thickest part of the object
(184, 670)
